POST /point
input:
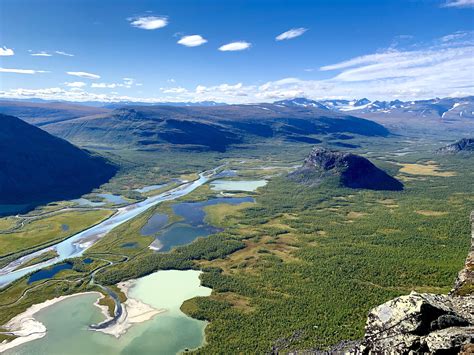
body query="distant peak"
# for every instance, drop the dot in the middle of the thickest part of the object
(302, 102)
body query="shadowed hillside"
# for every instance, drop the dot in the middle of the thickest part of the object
(209, 128)
(351, 170)
(36, 167)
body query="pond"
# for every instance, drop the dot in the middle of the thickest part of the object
(191, 227)
(154, 224)
(87, 203)
(113, 199)
(48, 273)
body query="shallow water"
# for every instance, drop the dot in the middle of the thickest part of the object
(237, 185)
(150, 188)
(193, 226)
(181, 234)
(113, 199)
(87, 203)
(167, 333)
(154, 224)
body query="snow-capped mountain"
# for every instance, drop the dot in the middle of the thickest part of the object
(446, 108)
(301, 102)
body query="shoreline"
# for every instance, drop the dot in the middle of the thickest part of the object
(26, 328)
(134, 311)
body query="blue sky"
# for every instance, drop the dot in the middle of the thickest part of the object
(235, 51)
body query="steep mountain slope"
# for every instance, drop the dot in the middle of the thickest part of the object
(36, 167)
(351, 170)
(212, 128)
(41, 113)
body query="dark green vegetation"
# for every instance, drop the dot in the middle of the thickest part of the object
(47, 255)
(36, 167)
(350, 170)
(208, 128)
(300, 268)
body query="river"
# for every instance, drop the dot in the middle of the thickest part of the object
(75, 245)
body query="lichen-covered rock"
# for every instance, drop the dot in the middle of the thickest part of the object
(420, 323)
(449, 339)
(464, 284)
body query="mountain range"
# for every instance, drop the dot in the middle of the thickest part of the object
(208, 128)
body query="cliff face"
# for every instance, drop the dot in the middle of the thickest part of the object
(425, 323)
(351, 170)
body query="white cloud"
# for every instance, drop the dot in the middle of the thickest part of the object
(235, 46)
(5, 52)
(444, 68)
(41, 54)
(192, 41)
(148, 22)
(83, 74)
(64, 53)
(22, 71)
(459, 3)
(293, 33)
(103, 85)
(75, 84)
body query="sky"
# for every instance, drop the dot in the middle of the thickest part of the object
(235, 51)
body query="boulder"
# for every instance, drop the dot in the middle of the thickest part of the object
(420, 323)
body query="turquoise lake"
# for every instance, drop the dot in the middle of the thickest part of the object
(170, 332)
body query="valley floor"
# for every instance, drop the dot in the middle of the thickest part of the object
(299, 268)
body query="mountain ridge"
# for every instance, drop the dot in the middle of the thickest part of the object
(36, 167)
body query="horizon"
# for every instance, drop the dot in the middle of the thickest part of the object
(152, 53)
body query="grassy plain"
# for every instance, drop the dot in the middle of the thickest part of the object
(43, 231)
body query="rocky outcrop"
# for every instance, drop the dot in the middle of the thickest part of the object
(420, 323)
(424, 323)
(351, 170)
(464, 284)
(465, 145)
